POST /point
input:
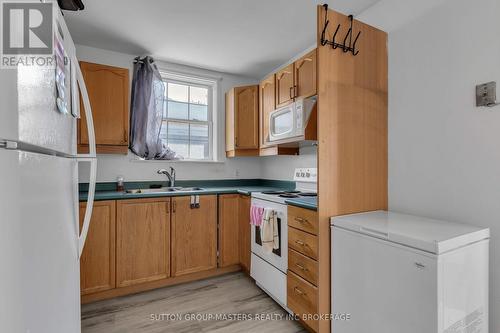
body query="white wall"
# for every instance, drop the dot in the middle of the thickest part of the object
(282, 167)
(110, 166)
(444, 153)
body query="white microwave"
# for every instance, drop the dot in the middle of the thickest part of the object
(288, 124)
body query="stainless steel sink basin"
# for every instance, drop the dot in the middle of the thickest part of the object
(164, 190)
(189, 189)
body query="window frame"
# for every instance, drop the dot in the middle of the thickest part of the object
(211, 86)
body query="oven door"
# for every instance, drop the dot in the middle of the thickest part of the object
(282, 124)
(278, 257)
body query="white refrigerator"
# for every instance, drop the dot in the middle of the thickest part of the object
(40, 239)
(394, 273)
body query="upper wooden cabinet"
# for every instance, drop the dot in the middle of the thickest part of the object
(285, 86)
(108, 89)
(305, 76)
(267, 105)
(143, 241)
(194, 235)
(97, 264)
(242, 121)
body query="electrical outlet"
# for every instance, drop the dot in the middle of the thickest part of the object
(486, 94)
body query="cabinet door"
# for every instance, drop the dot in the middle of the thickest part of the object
(230, 132)
(244, 231)
(246, 113)
(267, 105)
(228, 230)
(284, 86)
(305, 75)
(194, 235)
(143, 241)
(108, 93)
(97, 264)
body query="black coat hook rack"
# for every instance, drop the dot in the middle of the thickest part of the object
(351, 47)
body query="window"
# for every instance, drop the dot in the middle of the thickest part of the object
(188, 125)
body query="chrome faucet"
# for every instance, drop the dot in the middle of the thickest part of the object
(170, 175)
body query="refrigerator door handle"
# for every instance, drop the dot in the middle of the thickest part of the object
(90, 157)
(90, 203)
(87, 110)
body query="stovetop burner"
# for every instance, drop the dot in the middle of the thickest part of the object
(308, 194)
(273, 192)
(289, 195)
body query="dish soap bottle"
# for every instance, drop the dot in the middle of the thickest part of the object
(120, 184)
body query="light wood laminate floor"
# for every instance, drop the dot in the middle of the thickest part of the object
(149, 312)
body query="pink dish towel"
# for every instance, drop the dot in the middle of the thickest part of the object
(256, 214)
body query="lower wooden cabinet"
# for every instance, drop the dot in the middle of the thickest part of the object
(97, 264)
(229, 252)
(140, 244)
(244, 231)
(143, 241)
(302, 299)
(194, 235)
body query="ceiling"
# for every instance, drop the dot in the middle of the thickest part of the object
(244, 37)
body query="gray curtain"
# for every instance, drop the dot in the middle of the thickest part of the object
(147, 107)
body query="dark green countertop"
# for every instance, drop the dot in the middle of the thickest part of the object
(107, 191)
(308, 203)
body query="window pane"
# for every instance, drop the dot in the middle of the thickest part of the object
(165, 100)
(198, 95)
(163, 132)
(199, 142)
(178, 92)
(178, 138)
(198, 112)
(177, 110)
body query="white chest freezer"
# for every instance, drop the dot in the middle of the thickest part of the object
(394, 273)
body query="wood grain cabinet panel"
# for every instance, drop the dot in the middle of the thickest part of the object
(302, 299)
(303, 242)
(229, 253)
(285, 86)
(303, 219)
(194, 235)
(242, 121)
(108, 89)
(244, 231)
(143, 241)
(305, 76)
(97, 264)
(267, 94)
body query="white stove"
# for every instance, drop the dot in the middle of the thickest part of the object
(269, 270)
(306, 186)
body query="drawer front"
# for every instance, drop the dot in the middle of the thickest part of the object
(302, 298)
(303, 266)
(303, 219)
(303, 242)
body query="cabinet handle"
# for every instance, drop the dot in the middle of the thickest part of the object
(298, 291)
(125, 136)
(302, 268)
(295, 89)
(291, 88)
(301, 243)
(236, 141)
(174, 206)
(301, 220)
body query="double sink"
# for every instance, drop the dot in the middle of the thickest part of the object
(164, 190)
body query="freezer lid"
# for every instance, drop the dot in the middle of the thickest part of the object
(429, 235)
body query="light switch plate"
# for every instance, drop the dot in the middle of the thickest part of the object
(486, 94)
